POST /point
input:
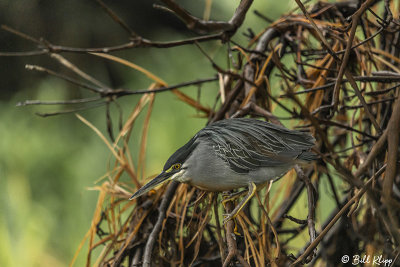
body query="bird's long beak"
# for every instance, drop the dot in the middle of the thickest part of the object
(159, 180)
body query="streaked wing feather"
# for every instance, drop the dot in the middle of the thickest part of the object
(247, 143)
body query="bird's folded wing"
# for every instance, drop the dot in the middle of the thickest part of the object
(247, 146)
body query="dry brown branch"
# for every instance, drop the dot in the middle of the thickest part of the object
(353, 200)
(157, 227)
(202, 26)
(231, 240)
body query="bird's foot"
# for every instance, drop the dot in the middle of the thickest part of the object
(229, 217)
(250, 193)
(226, 197)
(232, 217)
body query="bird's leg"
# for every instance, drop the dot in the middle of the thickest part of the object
(232, 196)
(252, 189)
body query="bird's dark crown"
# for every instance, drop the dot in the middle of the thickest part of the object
(181, 154)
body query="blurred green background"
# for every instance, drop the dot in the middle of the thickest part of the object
(47, 164)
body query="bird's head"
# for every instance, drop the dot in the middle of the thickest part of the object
(174, 168)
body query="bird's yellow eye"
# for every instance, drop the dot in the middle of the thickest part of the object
(176, 166)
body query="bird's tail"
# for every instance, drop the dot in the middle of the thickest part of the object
(307, 156)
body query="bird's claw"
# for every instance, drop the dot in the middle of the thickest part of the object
(228, 218)
(226, 196)
(231, 217)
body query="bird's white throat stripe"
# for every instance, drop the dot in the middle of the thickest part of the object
(180, 177)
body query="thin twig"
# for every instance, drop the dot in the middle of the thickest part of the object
(319, 238)
(148, 250)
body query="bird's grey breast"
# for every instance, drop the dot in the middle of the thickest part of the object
(206, 170)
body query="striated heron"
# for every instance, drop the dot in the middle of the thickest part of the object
(235, 153)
